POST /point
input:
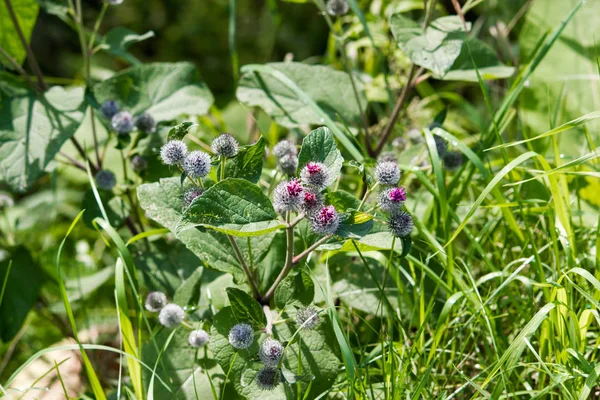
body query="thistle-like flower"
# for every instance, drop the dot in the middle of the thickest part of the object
(316, 175)
(387, 173)
(145, 123)
(288, 196)
(392, 199)
(241, 336)
(313, 201)
(307, 318)
(284, 148)
(198, 338)
(453, 160)
(171, 315)
(105, 179)
(267, 378)
(122, 122)
(138, 163)
(225, 145)
(337, 8)
(196, 164)
(271, 352)
(440, 145)
(109, 108)
(155, 301)
(173, 152)
(288, 163)
(400, 224)
(388, 156)
(325, 221)
(190, 194)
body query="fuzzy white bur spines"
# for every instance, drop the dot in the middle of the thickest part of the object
(316, 175)
(387, 173)
(173, 152)
(267, 378)
(453, 160)
(270, 352)
(241, 336)
(392, 199)
(388, 156)
(109, 108)
(337, 8)
(288, 196)
(283, 148)
(196, 164)
(138, 163)
(122, 122)
(145, 123)
(105, 179)
(325, 221)
(171, 315)
(198, 338)
(225, 145)
(400, 224)
(313, 201)
(288, 164)
(307, 318)
(190, 194)
(155, 301)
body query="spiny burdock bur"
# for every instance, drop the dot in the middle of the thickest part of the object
(313, 201)
(387, 173)
(284, 148)
(225, 145)
(138, 163)
(171, 315)
(337, 8)
(387, 156)
(288, 164)
(241, 336)
(440, 145)
(155, 301)
(400, 224)
(316, 175)
(196, 164)
(307, 318)
(190, 194)
(271, 351)
(105, 179)
(109, 108)
(267, 378)
(288, 196)
(325, 221)
(122, 122)
(453, 160)
(145, 123)
(392, 199)
(198, 338)
(173, 152)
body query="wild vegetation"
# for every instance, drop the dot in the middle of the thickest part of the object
(296, 199)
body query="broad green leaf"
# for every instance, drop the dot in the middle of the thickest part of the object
(319, 145)
(317, 355)
(330, 89)
(178, 132)
(162, 203)
(233, 206)
(443, 49)
(164, 90)
(373, 242)
(26, 12)
(119, 39)
(22, 290)
(342, 200)
(248, 163)
(295, 287)
(189, 291)
(245, 308)
(355, 224)
(32, 131)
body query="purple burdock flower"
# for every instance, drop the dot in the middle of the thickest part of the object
(122, 122)
(267, 378)
(387, 173)
(325, 221)
(173, 152)
(313, 201)
(196, 164)
(392, 199)
(400, 224)
(190, 194)
(288, 196)
(109, 108)
(316, 175)
(271, 352)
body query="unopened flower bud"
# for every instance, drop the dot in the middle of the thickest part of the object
(155, 301)
(122, 122)
(307, 318)
(387, 173)
(173, 152)
(145, 123)
(271, 352)
(196, 164)
(400, 224)
(198, 338)
(241, 336)
(190, 194)
(171, 315)
(105, 179)
(267, 378)
(109, 108)
(225, 145)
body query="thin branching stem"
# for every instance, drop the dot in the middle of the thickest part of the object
(245, 268)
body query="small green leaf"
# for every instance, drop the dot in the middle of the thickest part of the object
(189, 291)
(119, 39)
(342, 200)
(299, 287)
(248, 163)
(245, 308)
(319, 146)
(355, 224)
(178, 132)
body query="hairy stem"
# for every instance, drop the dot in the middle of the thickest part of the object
(306, 252)
(240, 258)
(289, 264)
